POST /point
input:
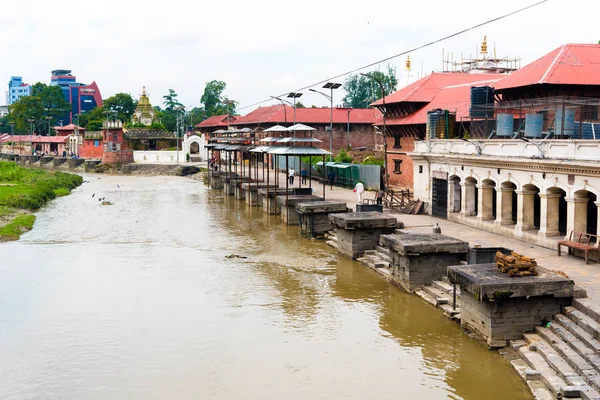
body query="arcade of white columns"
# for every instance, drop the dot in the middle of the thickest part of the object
(517, 198)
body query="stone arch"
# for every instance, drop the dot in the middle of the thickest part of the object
(585, 215)
(454, 194)
(487, 200)
(506, 203)
(194, 145)
(470, 203)
(553, 212)
(528, 212)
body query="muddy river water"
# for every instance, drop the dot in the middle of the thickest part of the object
(138, 301)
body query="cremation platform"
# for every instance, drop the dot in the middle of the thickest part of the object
(314, 216)
(498, 307)
(288, 207)
(418, 259)
(357, 232)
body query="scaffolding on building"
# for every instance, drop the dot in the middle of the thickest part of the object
(483, 62)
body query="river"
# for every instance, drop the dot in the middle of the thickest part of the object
(137, 300)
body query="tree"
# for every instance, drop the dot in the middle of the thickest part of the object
(170, 101)
(53, 103)
(26, 113)
(4, 124)
(123, 104)
(213, 101)
(92, 121)
(300, 105)
(362, 90)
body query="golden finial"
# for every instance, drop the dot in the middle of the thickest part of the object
(484, 48)
(408, 63)
(143, 90)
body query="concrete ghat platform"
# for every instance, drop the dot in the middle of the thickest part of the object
(288, 207)
(268, 199)
(216, 179)
(498, 308)
(251, 192)
(359, 232)
(419, 259)
(314, 216)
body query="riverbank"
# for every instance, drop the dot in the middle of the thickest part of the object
(25, 190)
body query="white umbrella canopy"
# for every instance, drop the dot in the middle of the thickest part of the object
(301, 127)
(276, 128)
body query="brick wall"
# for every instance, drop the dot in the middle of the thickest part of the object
(88, 150)
(360, 136)
(404, 177)
(118, 157)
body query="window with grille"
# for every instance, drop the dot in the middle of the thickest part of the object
(397, 165)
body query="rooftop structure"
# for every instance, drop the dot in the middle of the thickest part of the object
(83, 98)
(144, 113)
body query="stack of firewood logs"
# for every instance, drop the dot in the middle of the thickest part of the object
(516, 264)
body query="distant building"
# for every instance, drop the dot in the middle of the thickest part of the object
(144, 113)
(16, 89)
(83, 98)
(3, 111)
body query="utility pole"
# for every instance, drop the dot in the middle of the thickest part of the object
(331, 86)
(384, 133)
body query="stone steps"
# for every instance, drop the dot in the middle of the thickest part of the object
(532, 379)
(439, 299)
(588, 307)
(578, 332)
(570, 333)
(439, 296)
(446, 288)
(560, 358)
(583, 321)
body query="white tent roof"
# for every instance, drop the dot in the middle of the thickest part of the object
(276, 128)
(301, 127)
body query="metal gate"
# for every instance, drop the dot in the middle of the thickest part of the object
(439, 198)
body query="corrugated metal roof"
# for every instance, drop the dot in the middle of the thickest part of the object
(216, 121)
(571, 64)
(298, 151)
(276, 115)
(425, 89)
(300, 140)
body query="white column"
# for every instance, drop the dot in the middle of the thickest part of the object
(451, 196)
(549, 214)
(597, 203)
(504, 211)
(468, 203)
(485, 207)
(576, 214)
(525, 210)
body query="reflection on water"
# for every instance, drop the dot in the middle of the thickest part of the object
(137, 300)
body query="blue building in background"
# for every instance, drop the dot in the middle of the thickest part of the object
(16, 90)
(83, 98)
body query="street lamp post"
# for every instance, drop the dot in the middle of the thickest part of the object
(284, 109)
(384, 132)
(48, 118)
(294, 96)
(178, 126)
(332, 86)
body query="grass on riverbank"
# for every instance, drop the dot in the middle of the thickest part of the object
(19, 225)
(23, 190)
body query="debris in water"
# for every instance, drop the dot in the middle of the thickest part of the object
(234, 256)
(107, 203)
(93, 194)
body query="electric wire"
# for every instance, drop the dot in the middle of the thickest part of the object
(404, 52)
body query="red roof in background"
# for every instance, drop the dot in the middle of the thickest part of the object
(454, 98)
(216, 121)
(70, 127)
(18, 138)
(50, 139)
(425, 89)
(571, 64)
(277, 114)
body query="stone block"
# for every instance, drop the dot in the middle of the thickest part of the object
(532, 375)
(366, 220)
(570, 392)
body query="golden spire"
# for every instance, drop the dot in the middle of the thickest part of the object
(408, 63)
(484, 48)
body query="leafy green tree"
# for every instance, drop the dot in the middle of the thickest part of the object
(53, 104)
(27, 113)
(123, 104)
(213, 101)
(170, 101)
(300, 105)
(166, 118)
(195, 116)
(92, 121)
(343, 157)
(4, 124)
(363, 90)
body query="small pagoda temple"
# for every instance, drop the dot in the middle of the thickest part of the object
(144, 113)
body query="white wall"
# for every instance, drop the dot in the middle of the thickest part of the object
(158, 157)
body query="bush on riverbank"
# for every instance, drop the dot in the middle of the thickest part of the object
(19, 225)
(30, 189)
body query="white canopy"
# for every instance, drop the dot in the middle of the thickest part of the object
(276, 128)
(301, 127)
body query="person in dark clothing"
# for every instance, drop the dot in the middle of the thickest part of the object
(379, 196)
(304, 175)
(331, 179)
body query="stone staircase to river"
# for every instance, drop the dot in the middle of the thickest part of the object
(562, 358)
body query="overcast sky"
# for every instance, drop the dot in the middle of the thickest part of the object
(264, 47)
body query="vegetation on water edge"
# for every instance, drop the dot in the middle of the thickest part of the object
(23, 190)
(20, 224)
(30, 189)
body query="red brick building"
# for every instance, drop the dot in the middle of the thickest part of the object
(407, 114)
(352, 127)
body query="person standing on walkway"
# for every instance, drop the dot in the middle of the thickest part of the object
(379, 196)
(304, 175)
(331, 179)
(359, 189)
(291, 174)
